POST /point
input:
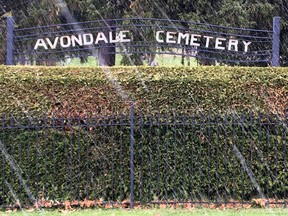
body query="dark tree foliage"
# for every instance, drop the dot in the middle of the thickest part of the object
(256, 14)
(8, 5)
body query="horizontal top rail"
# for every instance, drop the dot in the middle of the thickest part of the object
(149, 19)
(269, 38)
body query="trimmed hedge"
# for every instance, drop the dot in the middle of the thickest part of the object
(62, 90)
(78, 158)
(197, 158)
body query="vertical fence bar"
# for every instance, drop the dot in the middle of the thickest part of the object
(88, 126)
(151, 159)
(2, 146)
(209, 155)
(142, 159)
(285, 156)
(276, 42)
(121, 158)
(45, 129)
(112, 125)
(167, 155)
(217, 123)
(96, 137)
(10, 40)
(226, 127)
(132, 142)
(158, 159)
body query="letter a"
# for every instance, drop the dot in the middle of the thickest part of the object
(40, 42)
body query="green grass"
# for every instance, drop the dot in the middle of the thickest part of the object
(165, 60)
(158, 212)
(170, 60)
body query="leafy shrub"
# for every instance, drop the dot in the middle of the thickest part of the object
(177, 158)
(64, 91)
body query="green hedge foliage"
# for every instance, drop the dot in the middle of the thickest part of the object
(61, 90)
(200, 158)
(63, 155)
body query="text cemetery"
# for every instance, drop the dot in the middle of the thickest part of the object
(125, 36)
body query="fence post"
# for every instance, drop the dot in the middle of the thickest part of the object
(10, 40)
(132, 142)
(276, 42)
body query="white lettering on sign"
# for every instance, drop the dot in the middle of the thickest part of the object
(82, 40)
(65, 41)
(207, 40)
(198, 40)
(116, 40)
(158, 36)
(124, 36)
(52, 45)
(170, 37)
(88, 39)
(77, 40)
(233, 43)
(101, 37)
(246, 44)
(194, 39)
(219, 43)
(40, 43)
(182, 36)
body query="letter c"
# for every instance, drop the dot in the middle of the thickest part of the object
(158, 38)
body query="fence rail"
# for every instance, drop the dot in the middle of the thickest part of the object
(160, 159)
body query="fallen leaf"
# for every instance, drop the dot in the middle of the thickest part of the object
(260, 202)
(30, 210)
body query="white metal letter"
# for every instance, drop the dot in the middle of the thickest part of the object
(233, 42)
(207, 40)
(40, 42)
(101, 37)
(219, 42)
(123, 35)
(246, 44)
(170, 37)
(77, 40)
(111, 40)
(183, 36)
(158, 36)
(194, 39)
(62, 41)
(87, 39)
(52, 46)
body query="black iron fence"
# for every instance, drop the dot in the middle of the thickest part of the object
(144, 159)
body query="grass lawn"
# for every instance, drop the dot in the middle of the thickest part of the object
(157, 212)
(167, 60)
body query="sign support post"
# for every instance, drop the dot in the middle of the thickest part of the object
(276, 42)
(10, 40)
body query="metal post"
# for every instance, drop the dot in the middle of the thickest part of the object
(132, 142)
(10, 40)
(276, 42)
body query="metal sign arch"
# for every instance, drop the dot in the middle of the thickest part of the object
(148, 36)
